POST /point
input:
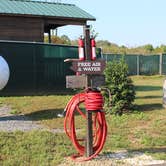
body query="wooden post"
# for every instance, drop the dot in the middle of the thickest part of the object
(89, 138)
(87, 41)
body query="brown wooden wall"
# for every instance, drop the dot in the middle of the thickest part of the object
(21, 29)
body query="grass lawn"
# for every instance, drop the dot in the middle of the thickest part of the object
(143, 130)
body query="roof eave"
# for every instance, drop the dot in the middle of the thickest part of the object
(44, 16)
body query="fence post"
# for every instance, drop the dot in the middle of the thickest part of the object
(164, 94)
(160, 63)
(138, 65)
(106, 58)
(102, 56)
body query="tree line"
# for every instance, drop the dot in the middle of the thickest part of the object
(108, 47)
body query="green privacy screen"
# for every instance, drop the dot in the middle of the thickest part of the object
(131, 60)
(141, 64)
(149, 65)
(35, 66)
(164, 64)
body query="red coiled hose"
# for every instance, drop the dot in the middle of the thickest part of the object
(93, 101)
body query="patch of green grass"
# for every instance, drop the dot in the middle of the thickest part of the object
(138, 130)
(139, 133)
(158, 155)
(152, 141)
(118, 121)
(140, 116)
(117, 141)
(33, 148)
(15, 112)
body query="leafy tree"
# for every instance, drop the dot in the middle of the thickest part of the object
(104, 43)
(163, 48)
(108, 47)
(120, 86)
(149, 47)
(66, 39)
(58, 40)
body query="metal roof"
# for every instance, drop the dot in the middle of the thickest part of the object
(41, 8)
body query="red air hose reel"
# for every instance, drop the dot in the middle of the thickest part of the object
(93, 101)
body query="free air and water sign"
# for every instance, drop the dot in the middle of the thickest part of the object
(89, 67)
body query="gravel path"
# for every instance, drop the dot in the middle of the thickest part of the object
(121, 158)
(10, 122)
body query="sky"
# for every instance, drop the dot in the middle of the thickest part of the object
(125, 22)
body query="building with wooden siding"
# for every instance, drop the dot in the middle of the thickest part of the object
(28, 20)
(36, 67)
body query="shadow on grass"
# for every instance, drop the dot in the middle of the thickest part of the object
(147, 88)
(34, 92)
(34, 116)
(135, 152)
(148, 97)
(45, 114)
(37, 116)
(13, 118)
(149, 107)
(150, 150)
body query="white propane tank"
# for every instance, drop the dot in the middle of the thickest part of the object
(4, 72)
(164, 93)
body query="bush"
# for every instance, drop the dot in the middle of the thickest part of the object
(120, 86)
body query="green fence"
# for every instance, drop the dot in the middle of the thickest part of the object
(130, 59)
(163, 62)
(141, 64)
(149, 65)
(35, 66)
